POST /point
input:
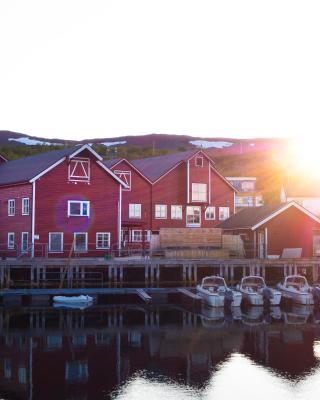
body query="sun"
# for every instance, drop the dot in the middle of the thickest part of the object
(304, 157)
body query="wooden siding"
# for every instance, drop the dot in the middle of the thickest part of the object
(54, 190)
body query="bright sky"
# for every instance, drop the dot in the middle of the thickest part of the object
(103, 68)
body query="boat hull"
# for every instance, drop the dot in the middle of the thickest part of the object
(298, 298)
(218, 299)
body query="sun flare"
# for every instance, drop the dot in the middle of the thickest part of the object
(304, 156)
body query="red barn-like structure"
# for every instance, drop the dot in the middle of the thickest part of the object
(58, 203)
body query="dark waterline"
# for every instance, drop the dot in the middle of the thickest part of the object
(159, 351)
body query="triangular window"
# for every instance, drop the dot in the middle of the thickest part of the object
(79, 170)
(125, 176)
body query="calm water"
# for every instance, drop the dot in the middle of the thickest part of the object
(159, 352)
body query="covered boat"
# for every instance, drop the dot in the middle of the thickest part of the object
(215, 292)
(297, 289)
(73, 300)
(255, 291)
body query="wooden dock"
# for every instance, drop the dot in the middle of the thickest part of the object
(143, 272)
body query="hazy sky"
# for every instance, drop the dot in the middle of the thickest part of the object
(103, 68)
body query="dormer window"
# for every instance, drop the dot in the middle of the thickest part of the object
(79, 169)
(199, 161)
(125, 176)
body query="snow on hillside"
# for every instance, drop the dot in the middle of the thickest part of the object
(108, 144)
(33, 142)
(205, 144)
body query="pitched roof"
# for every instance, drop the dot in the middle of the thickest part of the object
(29, 168)
(112, 162)
(253, 217)
(302, 188)
(154, 167)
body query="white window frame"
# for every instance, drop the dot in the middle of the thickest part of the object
(193, 224)
(135, 210)
(160, 211)
(74, 242)
(146, 233)
(174, 208)
(97, 240)
(11, 207)
(61, 241)
(125, 176)
(224, 208)
(12, 240)
(24, 250)
(73, 164)
(25, 210)
(197, 194)
(210, 209)
(196, 161)
(81, 208)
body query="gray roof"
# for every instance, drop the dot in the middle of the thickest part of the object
(112, 162)
(249, 217)
(24, 169)
(154, 167)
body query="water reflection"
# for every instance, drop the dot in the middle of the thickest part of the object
(134, 351)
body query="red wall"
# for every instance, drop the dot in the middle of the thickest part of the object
(140, 193)
(17, 223)
(54, 190)
(290, 229)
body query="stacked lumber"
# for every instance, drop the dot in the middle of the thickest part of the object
(234, 244)
(190, 237)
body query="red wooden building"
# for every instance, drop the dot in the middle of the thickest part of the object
(59, 200)
(177, 190)
(268, 230)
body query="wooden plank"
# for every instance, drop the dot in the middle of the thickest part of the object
(143, 295)
(189, 294)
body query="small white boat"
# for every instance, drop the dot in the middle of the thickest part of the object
(73, 300)
(215, 292)
(255, 291)
(297, 289)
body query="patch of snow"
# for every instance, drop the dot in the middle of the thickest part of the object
(205, 144)
(33, 142)
(108, 144)
(252, 144)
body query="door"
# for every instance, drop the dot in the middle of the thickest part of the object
(80, 242)
(193, 216)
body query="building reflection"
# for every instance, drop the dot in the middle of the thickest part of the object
(48, 353)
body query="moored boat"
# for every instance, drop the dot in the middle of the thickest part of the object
(255, 291)
(73, 300)
(296, 289)
(215, 292)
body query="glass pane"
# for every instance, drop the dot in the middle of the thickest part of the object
(75, 208)
(80, 242)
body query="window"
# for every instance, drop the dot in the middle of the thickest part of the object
(161, 211)
(199, 192)
(80, 242)
(134, 210)
(199, 161)
(176, 212)
(136, 236)
(193, 216)
(223, 213)
(210, 213)
(79, 170)
(11, 207)
(22, 375)
(10, 240)
(24, 242)
(78, 208)
(25, 205)
(248, 186)
(54, 342)
(56, 242)
(76, 371)
(125, 176)
(316, 243)
(7, 367)
(103, 240)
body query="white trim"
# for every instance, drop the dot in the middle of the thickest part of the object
(180, 207)
(193, 224)
(61, 241)
(132, 166)
(234, 202)
(109, 240)
(3, 158)
(241, 178)
(188, 182)
(112, 174)
(33, 217)
(198, 193)
(48, 169)
(86, 147)
(22, 206)
(214, 213)
(81, 202)
(165, 208)
(284, 208)
(14, 207)
(226, 208)
(197, 157)
(119, 217)
(224, 179)
(8, 241)
(81, 161)
(21, 244)
(209, 188)
(266, 242)
(74, 241)
(134, 206)
(119, 172)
